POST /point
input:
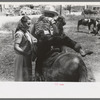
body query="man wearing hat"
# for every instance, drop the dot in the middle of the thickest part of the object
(46, 32)
(46, 22)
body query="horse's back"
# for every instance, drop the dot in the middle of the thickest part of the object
(65, 67)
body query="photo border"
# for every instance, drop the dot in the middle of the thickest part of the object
(8, 84)
(49, 0)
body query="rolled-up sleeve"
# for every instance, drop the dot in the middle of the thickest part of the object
(18, 38)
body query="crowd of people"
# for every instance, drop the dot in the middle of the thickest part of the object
(34, 45)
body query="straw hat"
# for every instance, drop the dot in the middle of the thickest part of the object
(50, 9)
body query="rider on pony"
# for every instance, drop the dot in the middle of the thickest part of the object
(47, 34)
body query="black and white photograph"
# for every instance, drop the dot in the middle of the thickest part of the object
(44, 42)
(50, 42)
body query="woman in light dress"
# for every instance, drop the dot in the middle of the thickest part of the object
(24, 45)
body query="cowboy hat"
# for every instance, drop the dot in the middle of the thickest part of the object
(50, 10)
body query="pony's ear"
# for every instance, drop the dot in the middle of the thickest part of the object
(60, 18)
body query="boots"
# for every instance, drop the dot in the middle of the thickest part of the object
(83, 53)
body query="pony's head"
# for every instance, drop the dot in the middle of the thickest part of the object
(61, 20)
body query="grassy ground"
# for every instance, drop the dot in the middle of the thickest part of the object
(87, 41)
(6, 57)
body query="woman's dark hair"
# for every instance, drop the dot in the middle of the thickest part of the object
(21, 26)
(24, 19)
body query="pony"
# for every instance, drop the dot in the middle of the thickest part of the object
(97, 26)
(88, 11)
(87, 22)
(62, 67)
(60, 22)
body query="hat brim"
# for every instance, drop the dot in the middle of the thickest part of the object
(53, 12)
